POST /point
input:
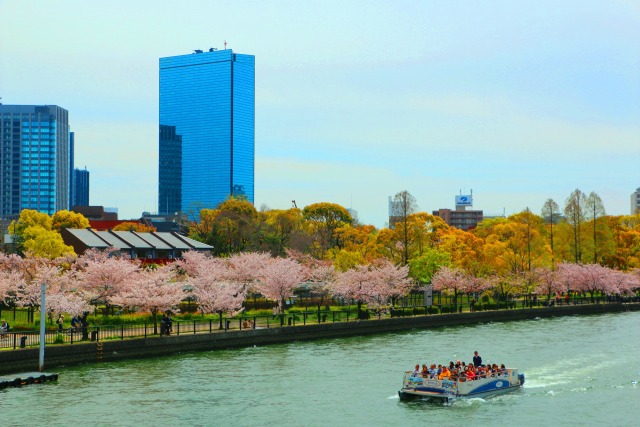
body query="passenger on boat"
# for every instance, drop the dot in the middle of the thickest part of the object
(425, 371)
(477, 360)
(502, 369)
(481, 372)
(445, 374)
(416, 371)
(470, 374)
(433, 371)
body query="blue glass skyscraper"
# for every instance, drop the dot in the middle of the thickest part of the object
(34, 159)
(207, 106)
(80, 185)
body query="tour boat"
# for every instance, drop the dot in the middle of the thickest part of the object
(417, 387)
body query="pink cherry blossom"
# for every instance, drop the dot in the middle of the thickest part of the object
(279, 277)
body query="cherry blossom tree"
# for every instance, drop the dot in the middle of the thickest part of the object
(320, 274)
(450, 279)
(245, 268)
(621, 283)
(208, 278)
(152, 290)
(279, 277)
(570, 275)
(588, 278)
(394, 281)
(358, 284)
(8, 281)
(476, 286)
(549, 282)
(101, 276)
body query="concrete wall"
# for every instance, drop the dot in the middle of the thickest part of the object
(22, 360)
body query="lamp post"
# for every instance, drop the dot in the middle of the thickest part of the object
(43, 309)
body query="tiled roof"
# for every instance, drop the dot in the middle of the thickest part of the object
(89, 238)
(126, 240)
(112, 239)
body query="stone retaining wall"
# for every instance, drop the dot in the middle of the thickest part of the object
(104, 351)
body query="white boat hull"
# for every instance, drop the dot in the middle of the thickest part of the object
(416, 387)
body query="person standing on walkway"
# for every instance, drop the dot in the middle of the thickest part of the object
(60, 323)
(164, 324)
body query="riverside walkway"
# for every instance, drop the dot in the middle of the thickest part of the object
(128, 345)
(15, 340)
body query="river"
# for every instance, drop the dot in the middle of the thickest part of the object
(580, 371)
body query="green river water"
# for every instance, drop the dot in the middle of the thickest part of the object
(580, 371)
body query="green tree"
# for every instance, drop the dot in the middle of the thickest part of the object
(594, 210)
(68, 219)
(278, 229)
(551, 215)
(324, 219)
(230, 228)
(39, 242)
(574, 211)
(134, 226)
(423, 267)
(402, 205)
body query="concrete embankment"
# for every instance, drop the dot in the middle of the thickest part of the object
(112, 350)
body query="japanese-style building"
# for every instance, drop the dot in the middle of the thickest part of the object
(157, 246)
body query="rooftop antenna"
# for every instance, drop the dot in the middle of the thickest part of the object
(225, 45)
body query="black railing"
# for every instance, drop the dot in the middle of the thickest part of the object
(22, 339)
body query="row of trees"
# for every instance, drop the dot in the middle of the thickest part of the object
(519, 243)
(588, 279)
(580, 233)
(220, 285)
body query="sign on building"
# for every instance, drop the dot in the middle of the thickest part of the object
(466, 200)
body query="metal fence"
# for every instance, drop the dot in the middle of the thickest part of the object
(22, 339)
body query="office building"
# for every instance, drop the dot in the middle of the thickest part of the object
(461, 217)
(34, 159)
(207, 112)
(72, 190)
(80, 186)
(170, 171)
(635, 202)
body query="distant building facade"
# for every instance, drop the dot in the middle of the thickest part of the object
(461, 218)
(34, 159)
(96, 212)
(80, 185)
(207, 115)
(169, 171)
(635, 202)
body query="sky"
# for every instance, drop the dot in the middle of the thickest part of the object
(356, 101)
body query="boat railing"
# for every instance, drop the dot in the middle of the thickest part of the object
(411, 379)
